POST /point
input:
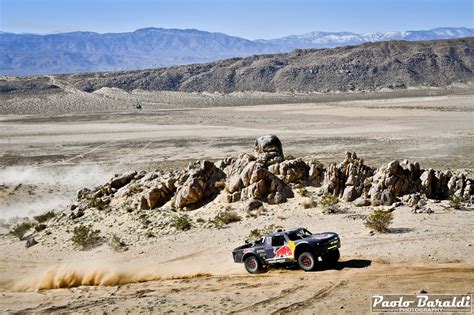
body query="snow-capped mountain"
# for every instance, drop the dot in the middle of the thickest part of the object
(334, 39)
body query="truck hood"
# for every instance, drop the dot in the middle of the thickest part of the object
(322, 236)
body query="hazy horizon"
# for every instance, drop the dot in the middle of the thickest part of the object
(263, 19)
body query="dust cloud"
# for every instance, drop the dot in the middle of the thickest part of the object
(95, 274)
(27, 191)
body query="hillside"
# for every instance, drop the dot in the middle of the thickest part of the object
(75, 52)
(367, 67)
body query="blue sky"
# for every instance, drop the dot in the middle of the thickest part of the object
(246, 18)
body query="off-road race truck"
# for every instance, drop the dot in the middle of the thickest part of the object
(289, 247)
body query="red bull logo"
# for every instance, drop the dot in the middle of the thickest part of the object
(283, 251)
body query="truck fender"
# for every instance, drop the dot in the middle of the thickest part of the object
(305, 247)
(253, 254)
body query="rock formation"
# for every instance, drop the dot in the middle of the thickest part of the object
(264, 176)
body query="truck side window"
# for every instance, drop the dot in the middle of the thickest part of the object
(278, 241)
(268, 240)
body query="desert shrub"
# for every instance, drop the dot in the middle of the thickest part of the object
(143, 218)
(257, 234)
(173, 207)
(226, 217)
(21, 229)
(455, 202)
(334, 209)
(303, 192)
(85, 237)
(95, 202)
(181, 223)
(200, 220)
(45, 217)
(116, 244)
(379, 220)
(328, 200)
(309, 203)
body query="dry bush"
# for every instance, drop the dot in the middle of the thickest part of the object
(455, 202)
(116, 244)
(309, 203)
(21, 229)
(181, 223)
(45, 217)
(379, 220)
(334, 209)
(226, 217)
(303, 192)
(85, 237)
(328, 200)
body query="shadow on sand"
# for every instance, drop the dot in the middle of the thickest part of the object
(351, 263)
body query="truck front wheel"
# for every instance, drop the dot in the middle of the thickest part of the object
(307, 261)
(253, 264)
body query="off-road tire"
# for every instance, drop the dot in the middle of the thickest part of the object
(253, 264)
(307, 261)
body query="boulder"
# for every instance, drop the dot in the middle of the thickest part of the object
(316, 172)
(199, 187)
(269, 149)
(294, 171)
(159, 195)
(252, 205)
(121, 180)
(361, 202)
(349, 194)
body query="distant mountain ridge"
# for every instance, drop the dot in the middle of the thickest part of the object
(76, 52)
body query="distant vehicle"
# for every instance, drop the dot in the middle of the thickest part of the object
(289, 247)
(137, 106)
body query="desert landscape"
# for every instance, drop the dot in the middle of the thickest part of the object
(176, 256)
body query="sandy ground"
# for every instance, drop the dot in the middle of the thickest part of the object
(46, 155)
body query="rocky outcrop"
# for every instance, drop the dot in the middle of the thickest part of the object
(294, 171)
(159, 195)
(256, 181)
(199, 186)
(264, 176)
(348, 179)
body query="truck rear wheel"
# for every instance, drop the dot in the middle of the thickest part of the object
(253, 264)
(307, 261)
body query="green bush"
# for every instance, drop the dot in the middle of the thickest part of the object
(21, 229)
(181, 223)
(328, 200)
(379, 220)
(45, 217)
(85, 237)
(455, 202)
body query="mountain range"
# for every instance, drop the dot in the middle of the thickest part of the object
(365, 67)
(77, 52)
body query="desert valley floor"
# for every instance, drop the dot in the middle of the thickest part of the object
(51, 145)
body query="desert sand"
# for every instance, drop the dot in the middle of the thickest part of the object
(53, 145)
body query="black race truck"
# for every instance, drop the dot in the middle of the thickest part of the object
(288, 247)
